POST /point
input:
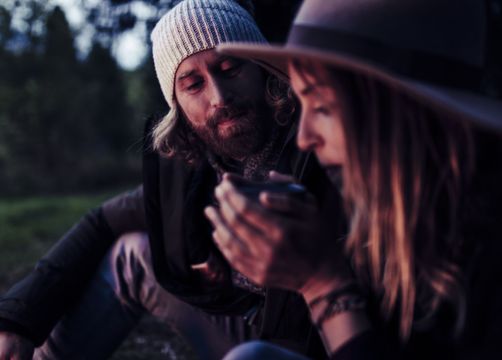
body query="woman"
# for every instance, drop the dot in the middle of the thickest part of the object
(390, 92)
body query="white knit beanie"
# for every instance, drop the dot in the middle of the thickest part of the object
(193, 26)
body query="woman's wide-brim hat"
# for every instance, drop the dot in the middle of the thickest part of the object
(433, 49)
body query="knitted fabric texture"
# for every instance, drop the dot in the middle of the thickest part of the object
(193, 26)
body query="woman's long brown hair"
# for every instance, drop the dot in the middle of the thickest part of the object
(403, 180)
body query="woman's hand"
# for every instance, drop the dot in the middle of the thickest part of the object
(274, 242)
(279, 242)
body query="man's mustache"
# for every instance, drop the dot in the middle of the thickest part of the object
(229, 112)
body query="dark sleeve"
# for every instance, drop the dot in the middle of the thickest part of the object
(366, 346)
(33, 306)
(126, 212)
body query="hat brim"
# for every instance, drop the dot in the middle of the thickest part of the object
(482, 110)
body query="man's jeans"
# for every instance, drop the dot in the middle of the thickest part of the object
(259, 350)
(123, 289)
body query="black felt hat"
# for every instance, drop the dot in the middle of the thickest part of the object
(433, 49)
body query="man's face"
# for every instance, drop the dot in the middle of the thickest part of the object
(223, 100)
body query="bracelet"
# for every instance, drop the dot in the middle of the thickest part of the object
(351, 303)
(332, 296)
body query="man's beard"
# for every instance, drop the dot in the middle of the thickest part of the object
(248, 133)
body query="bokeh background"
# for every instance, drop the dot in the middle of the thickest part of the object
(76, 85)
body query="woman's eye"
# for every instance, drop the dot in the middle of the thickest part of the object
(322, 110)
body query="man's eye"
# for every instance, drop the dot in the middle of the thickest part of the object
(195, 85)
(231, 68)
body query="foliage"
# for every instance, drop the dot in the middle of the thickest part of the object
(112, 17)
(65, 124)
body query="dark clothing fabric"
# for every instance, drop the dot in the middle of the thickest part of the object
(171, 210)
(483, 324)
(182, 237)
(124, 289)
(38, 301)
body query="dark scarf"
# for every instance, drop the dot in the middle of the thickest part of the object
(256, 166)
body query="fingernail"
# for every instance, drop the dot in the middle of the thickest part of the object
(228, 184)
(218, 191)
(208, 211)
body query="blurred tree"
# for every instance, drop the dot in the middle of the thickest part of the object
(112, 17)
(105, 94)
(65, 125)
(5, 26)
(144, 92)
(59, 126)
(19, 61)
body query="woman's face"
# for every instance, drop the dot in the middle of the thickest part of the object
(320, 128)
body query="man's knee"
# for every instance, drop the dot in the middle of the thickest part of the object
(261, 350)
(128, 268)
(249, 351)
(132, 247)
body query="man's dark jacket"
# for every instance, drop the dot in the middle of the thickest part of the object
(170, 207)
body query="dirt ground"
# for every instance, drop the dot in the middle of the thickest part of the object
(152, 340)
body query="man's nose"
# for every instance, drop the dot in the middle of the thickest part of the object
(307, 139)
(220, 93)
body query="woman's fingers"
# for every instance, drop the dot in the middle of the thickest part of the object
(291, 204)
(261, 238)
(279, 177)
(244, 211)
(232, 248)
(222, 232)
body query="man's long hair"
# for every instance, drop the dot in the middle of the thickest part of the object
(403, 180)
(173, 136)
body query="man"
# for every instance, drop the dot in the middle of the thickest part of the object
(221, 119)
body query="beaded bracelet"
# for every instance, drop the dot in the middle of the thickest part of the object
(332, 296)
(351, 303)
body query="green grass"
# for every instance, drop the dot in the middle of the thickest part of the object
(29, 226)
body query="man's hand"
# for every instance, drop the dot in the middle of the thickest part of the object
(15, 347)
(273, 242)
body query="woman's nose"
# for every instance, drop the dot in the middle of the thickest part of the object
(307, 139)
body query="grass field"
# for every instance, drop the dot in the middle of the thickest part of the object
(29, 226)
